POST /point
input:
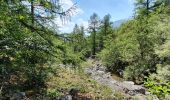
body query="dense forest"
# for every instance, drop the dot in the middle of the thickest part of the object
(40, 63)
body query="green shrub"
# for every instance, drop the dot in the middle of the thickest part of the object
(159, 83)
(137, 71)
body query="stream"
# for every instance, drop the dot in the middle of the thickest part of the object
(117, 78)
(128, 88)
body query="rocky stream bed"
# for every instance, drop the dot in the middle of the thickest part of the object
(128, 88)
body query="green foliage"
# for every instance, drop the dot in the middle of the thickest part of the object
(29, 46)
(27, 49)
(158, 87)
(140, 44)
(136, 72)
(119, 50)
(158, 83)
(75, 47)
(94, 24)
(68, 79)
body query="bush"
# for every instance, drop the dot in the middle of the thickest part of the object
(159, 83)
(135, 73)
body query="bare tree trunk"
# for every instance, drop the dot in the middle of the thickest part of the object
(32, 12)
(1, 92)
(94, 44)
(147, 7)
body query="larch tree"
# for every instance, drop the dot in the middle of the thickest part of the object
(27, 45)
(94, 24)
(105, 29)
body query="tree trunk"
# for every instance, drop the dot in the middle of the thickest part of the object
(94, 44)
(32, 13)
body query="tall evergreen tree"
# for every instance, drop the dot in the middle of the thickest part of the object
(27, 45)
(94, 24)
(105, 29)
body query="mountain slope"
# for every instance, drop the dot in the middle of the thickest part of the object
(118, 23)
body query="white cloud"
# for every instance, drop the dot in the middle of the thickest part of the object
(82, 22)
(67, 4)
(68, 27)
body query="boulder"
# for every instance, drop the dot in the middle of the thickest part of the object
(129, 82)
(139, 97)
(66, 97)
(18, 96)
(62, 65)
(98, 72)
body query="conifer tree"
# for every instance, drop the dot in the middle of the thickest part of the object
(94, 24)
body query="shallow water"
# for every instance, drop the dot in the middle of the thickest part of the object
(117, 78)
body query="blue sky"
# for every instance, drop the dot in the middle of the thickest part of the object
(118, 9)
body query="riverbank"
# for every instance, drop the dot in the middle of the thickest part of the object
(128, 89)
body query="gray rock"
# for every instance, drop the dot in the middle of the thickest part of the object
(167, 97)
(98, 73)
(120, 71)
(66, 97)
(129, 82)
(62, 65)
(18, 96)
(139, 97)
(154, 97)
(147, 93)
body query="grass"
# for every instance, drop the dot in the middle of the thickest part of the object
(67, 79)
